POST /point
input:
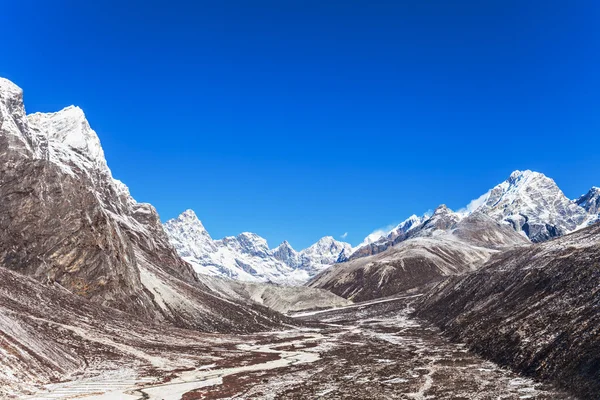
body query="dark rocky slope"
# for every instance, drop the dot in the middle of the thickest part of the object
(535, 309)
(443, 245)
(65, 220)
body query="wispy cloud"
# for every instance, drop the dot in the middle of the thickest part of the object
(377, 234)
(475, 204)
(345, 235)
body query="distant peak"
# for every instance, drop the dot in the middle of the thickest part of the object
(441, 209)
(8, 87)
(517, 175)
(70, 127)
(326, 239)
(248, 235)
(187, 218)
(285, 245)
(189, 213)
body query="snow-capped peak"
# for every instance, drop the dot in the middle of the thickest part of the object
(409, 223)
(70, 127)
(247, 255)
(590, 201)
(9, 88)
(251, 243)
(188, 227)
(533, 203)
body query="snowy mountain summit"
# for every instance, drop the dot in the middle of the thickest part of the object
(530, 202)
(247, 256)
(533, 204)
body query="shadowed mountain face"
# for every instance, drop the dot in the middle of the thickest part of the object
(536, 309)
(65, 220)
(443, 245)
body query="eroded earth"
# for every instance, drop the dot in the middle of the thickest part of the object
(374, 350)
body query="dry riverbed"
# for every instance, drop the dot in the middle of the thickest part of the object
(370, 351)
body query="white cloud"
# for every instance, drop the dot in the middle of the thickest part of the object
(377, 234)
(345, 235)
(475, 204)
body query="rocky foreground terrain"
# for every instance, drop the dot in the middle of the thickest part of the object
(369, 351)
(535, 309)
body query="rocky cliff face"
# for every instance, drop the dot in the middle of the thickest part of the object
(534, 309)
(65, 220)
(444, 245)
(247, 257)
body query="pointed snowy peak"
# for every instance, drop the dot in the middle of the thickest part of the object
(248, 243)
(590, 201)
(533, 203)
(285, 245)
(71, 128)
(442, 209)
(409, 224)
(442, 218)
(187, 228)
(188, 217)
(286, 253)
(326, 245)
(326, 250)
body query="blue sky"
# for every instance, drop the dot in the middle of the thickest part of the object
(299, 119)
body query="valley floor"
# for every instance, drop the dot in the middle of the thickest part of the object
(367, 351)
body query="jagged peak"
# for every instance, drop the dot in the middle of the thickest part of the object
(409, 223)
(187, 218)
(70, 127)
(518, 177)
(284, 244)
(441, 209)
(327, 239)
(253, 241)
(189, 214)
(9, 88)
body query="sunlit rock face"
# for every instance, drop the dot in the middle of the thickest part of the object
(65, 220)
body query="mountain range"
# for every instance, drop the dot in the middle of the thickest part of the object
(528, 202)
(247, 256)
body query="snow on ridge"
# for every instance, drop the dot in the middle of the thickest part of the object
(247, 256)
(70, 127)
(7, 86)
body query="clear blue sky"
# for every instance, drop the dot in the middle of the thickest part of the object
(298, 119)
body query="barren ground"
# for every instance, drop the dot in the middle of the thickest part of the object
(370, 351)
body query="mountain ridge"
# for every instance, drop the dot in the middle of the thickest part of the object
(247, 256)
(65, 220)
